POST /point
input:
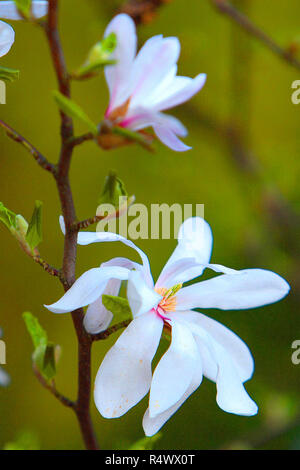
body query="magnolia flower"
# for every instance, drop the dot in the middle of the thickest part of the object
(143, 85)
(200, 346)
(9, 11)
(4, 377)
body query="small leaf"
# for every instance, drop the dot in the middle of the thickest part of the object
(73, 110)
(113, 190)
(117, 305)
(37, 333)
(24, 6)
(9, 75)
(49, 362)
(99, 56)
(7, 217)
(146, 443)
(34, 234)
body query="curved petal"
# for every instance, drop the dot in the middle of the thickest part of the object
(141, 298)
(97, 317)
(9, 11)
(153, 63)
(170, 139)
(153, 425)
(175, 371)
(202, 327)
(86, 238)
(195, 241)
(4, 378)
(118, 75)
(244, 289)
(179, 91)
(87, 288)
(125, 374)
(7, 38)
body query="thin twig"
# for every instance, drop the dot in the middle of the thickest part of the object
(81, 139)
(113, 329)
(226, 8)
(142, 11)
(40, 159)
(50, 386)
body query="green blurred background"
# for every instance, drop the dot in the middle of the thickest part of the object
(244, 167)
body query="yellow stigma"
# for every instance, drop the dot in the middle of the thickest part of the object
(169, 301)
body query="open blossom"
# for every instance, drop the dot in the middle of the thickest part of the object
(4, 377)
(143, 85)
(199, 347)
(9, 11)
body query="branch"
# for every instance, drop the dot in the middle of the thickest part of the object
(74, 141)
(224, 7)
(113, 329)
(50, 386)
(40, 159)
(142, 11)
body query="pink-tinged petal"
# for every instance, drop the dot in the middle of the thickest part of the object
(195, 242)
(181, 90)
(86, 238)
(153, 425)
(97, 317)
(167, 137)
(125, 374)
(7, 38)
(140, 296)
(209, 331)
(140, 118)
(152, 64)
(87, 288)
(118, 75)
(244, 289)
(175, 371)
(9, 11)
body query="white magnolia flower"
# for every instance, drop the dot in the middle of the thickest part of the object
(144, 84)
(9, 11)
(199, 347)
(4, 377)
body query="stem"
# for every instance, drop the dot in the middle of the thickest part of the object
(82, 407)
(52, 389)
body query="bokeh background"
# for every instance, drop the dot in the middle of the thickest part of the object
(244, 167)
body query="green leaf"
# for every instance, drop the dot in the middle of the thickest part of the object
(117, 305)
(98, 57)
(37, 333)
(113, 190)
(146, 443)
(24, 6)
(34, 234)
(9, 75)
(49, 361)
(7, 217)
(73, 110)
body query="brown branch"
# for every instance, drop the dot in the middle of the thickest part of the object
(226, 8)
(142, 11)
(82, 407)
(74, 141)
(113, 329)
(50, 386)
(40, 159)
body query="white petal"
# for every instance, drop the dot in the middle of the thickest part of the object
(181, 90)
(202, 326)
(167, 137)
(140, 118)
(175, 371)
(153, 63)
(125, 374)
(4, 378)
(9, 11)
(153, 425)
(118, 75)
(97, 317)
(195, 241)
(7, 38)
(244, 289)
(141, 298)
(87, 288)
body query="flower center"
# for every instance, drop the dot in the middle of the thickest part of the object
(169, 300)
